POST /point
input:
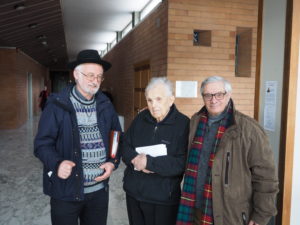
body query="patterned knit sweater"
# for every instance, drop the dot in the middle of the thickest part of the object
(92, 146)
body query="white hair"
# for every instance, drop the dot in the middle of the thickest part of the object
(213, 79)
(160, 80)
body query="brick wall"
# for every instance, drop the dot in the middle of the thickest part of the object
(146, 42)
(169, 49)
(14, 69)
(195, 63)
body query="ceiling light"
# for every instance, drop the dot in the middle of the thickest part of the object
(33, 25)
(44, 43)
(19, 7)
(41, 37)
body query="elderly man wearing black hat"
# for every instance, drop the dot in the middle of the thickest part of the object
(73, 144)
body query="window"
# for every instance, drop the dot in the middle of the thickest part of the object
(243, 49)
(202, 38)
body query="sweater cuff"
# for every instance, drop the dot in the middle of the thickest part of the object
(115, 161)
(150, 163)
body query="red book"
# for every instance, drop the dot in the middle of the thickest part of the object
(114, 143)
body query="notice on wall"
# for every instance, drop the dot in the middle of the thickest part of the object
(186, 89)
(270, 105)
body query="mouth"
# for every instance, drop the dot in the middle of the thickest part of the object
(93, 85)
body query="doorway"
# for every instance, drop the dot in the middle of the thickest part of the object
(141, 79)
(29, 95)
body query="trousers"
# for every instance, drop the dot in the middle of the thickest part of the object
(143, 213)
(91, 211)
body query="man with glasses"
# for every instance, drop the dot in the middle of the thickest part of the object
(73, 144)
(230, 175)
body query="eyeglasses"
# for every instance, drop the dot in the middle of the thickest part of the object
(218, 96)
(91, 76)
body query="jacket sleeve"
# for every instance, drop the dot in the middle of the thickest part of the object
(264, 178)
(127, 149)
(45, 140)
(171, 165)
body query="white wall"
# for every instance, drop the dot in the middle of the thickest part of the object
(272, 64)
(295, 206)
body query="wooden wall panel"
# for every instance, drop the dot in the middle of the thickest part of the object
(188, 62)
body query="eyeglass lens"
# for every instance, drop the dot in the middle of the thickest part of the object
(218, 96)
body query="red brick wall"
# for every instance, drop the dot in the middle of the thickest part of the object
(195, 63)
(146, 42)
(14, 67)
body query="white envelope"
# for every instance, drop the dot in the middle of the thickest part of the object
(153, 150)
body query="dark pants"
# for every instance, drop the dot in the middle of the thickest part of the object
(91, 211)
(142, 213)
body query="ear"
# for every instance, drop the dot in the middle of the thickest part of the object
(229, 94)
(171, 100)
(75, 74)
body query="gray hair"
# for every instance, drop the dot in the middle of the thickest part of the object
(213, 79)
(160, 80)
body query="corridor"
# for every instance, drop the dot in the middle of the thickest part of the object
(22, 201)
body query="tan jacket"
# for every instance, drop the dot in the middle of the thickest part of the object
(244, 177)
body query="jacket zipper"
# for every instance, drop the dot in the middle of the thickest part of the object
(154, 132)
(227, 167)
(244, 218)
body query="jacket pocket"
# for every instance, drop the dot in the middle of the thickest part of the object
(227, 168)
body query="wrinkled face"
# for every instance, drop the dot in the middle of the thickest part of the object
(159, 102)
(88, 78)
(217, 104)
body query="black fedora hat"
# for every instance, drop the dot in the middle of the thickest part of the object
(89, 56)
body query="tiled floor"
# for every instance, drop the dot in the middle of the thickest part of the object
(22, 201)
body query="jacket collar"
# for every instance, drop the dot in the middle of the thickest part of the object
(233, 129)
(62, 99)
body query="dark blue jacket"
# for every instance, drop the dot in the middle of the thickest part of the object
(57, 139)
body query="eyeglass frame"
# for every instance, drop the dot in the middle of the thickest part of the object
(221, 96)
(89, 77)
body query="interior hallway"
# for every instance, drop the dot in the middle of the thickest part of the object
(22, 201)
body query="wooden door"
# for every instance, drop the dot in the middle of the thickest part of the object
(141, 79)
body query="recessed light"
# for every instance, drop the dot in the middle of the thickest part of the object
(19, 7)
(41, 37)
(33, 25)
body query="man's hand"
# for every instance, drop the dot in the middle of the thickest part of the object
(147, 171)
(252, 223)
(65, 169)
(108, 167)
(140, 162)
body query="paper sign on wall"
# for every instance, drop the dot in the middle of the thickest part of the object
(270, 105)
(186, 89)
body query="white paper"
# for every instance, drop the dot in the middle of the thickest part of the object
(270, 105)
(269, 118)
(153, 150)
(271, 92)
(186, 89)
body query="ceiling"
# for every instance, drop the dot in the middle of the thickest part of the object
(52, 32)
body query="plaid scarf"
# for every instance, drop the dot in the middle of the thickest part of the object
(188, 197)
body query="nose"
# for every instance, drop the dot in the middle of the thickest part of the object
(154, 104)
(213, 100)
